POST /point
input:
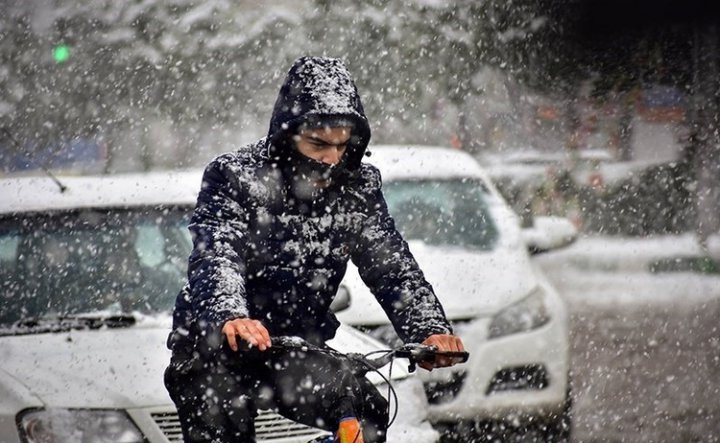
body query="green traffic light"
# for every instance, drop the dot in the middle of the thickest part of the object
(61, 53)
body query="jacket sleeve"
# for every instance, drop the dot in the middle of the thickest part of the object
(216, 270)
(388, 268)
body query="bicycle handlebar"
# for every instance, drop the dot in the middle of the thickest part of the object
(360, 364)
(415, 353)
(423, 353)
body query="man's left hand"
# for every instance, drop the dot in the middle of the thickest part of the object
(444, 343)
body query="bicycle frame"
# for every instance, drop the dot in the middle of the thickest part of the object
(350, 430)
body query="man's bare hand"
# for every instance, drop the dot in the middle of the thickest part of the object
(444, 343)
(252, 331)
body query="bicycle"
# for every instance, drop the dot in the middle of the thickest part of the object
(359, 365)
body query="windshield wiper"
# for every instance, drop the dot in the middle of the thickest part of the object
(44, 168)
(64, 323)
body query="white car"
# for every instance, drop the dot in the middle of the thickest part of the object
(472, 250)
(88, 277)
(531, 168)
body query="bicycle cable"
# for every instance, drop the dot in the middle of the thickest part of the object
(392, 394)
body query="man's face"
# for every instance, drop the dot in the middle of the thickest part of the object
(325, 145)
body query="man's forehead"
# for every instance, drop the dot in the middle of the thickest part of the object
(327, 133)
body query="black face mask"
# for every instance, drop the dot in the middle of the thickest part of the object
(308, 169)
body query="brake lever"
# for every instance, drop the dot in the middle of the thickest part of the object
(415, 354)
(422, 353)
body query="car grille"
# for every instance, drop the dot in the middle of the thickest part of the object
(533, 377)
(269, 427)
(439, 392)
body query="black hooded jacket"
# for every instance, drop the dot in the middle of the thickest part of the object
(262, 252)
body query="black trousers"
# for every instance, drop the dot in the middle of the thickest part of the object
(217, 396)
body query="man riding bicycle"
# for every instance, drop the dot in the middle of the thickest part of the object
(274, 227)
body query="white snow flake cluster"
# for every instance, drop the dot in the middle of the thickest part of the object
(331, 87)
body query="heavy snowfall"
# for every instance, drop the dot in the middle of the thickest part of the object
(554, 170)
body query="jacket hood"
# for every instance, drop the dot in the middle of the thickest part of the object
(317, 91)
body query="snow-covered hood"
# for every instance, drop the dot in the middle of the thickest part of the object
(112, 368)
(471, 283)
(315, 89)
(468, 283)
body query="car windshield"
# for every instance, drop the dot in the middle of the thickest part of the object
(442, 212)
(91, 263)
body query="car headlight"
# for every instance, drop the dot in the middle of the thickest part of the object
(525, 315)
(78, 425)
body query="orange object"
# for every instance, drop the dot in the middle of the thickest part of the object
(349, 431)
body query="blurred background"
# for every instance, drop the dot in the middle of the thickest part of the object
(599, 111)
(603, 112)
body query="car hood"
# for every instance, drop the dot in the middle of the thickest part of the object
(468, 283)
(112, 368)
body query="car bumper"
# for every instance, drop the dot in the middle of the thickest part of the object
(162, 424)
(516, 376)
(411, 422)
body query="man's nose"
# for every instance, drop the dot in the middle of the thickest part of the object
(332, 156)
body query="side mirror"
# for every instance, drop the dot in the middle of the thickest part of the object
(341, 300)
(548, 233)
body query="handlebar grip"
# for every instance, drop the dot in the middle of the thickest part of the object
(423, 353)
(460, 355)
(287, 341)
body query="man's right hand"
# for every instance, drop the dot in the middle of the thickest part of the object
(252, 331)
